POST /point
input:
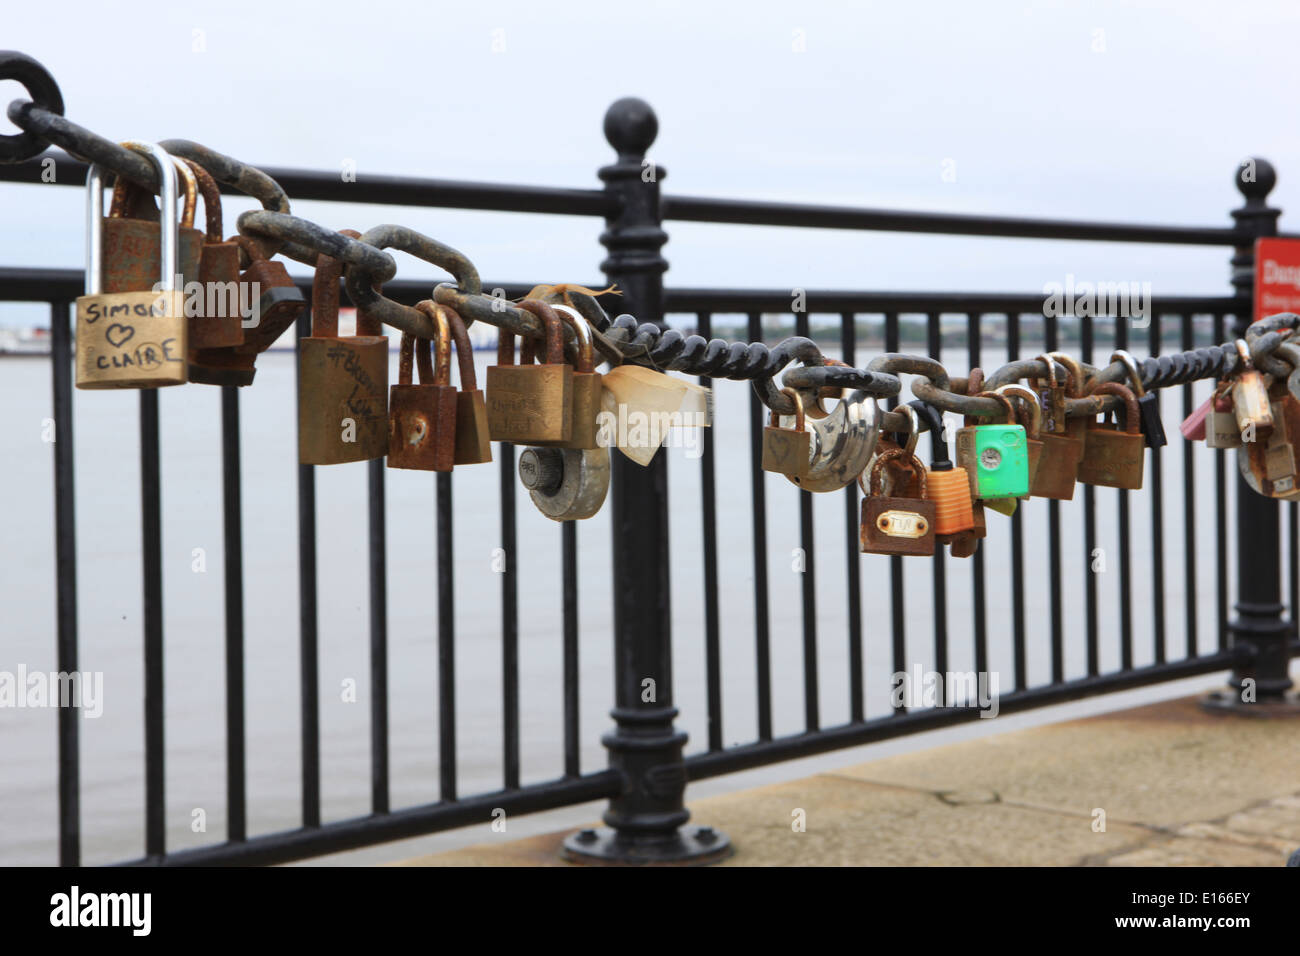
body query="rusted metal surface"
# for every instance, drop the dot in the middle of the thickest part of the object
(422, 418)
(473, 441)
(218, 322)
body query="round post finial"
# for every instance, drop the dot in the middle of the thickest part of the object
(631, 126)
(1255, 178)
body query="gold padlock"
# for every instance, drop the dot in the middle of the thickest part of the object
(1058, 463)
(786, 450)
(136, 337)
(1115, 458)
(530, 403)
(585, 398)
(342, 382)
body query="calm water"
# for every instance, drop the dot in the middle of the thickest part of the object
(109, 581)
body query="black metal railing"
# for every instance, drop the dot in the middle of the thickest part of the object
(647, 774)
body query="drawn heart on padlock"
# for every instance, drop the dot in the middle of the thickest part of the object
(125, 334)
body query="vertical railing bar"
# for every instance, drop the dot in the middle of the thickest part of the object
(979, 594)
(934, 343)
(510, 639)
(1293, 558)
(379, 773)
(151, 524)
(1125, 551)
(1017, 541)
(1054, 549)
(1220, 523)
(1190, 451)
(857, 696)
(757, 419)
(65, 581)
(709, 517)
(569, 565)
(1086, 341)
(1157, 519)
(232, 518)
(308, 624)
(808, 580)
(897, 595)
(446, 642)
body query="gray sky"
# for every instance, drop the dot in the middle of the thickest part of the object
(1130, 112)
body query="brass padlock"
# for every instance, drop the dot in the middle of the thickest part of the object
(531, 403)
(1221, 429)
(473, 446)
(134, 337)
(277, 303)
(786, 451)
(422, 418)
(1030, 417)
(896, 525)
(586, 382)
(1250, 402)
(1115, 458)
(216, 319)
(342, 382)
(1058, 463)
(131, 236)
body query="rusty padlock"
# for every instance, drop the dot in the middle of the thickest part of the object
(786, 451)
(1115, 458)
(277, 303)
(422, 418)
(216, 320)
(131, 249)
(530, 403)
(892, 525)
(1058, 463)
(473, 446)
(342, 382)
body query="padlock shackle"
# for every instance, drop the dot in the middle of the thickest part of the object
(554, 340)
(1006, 402)
(464, 349)
(799, 422)
(1132, 419)
(586, 354)
(1076, 381)
(940, 459)
(325, 291)
(1134, 372)
(415, 350)
(1034, 429)
(877, 474)
(215, 230)
(441, 371)
(169, 236)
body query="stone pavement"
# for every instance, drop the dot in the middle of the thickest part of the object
(1172, 784)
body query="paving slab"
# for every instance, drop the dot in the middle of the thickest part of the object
(1178, 787)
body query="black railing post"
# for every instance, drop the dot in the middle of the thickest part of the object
(1259, 634)
(646, 821)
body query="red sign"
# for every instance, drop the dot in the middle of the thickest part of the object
(1277, 276)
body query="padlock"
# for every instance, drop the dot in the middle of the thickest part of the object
(948, 486)
(995, 456)
(422, 418)
(1270, 465)
(585, 401)
(277, 304)
(217, 321)
(530, 403)
(1076, 386)
(892, 525)
(566, 484)
(473, 447)
(342, 382)
(132, 338)
(131, 238)
(1221, 429)
(1250, 402)
(787, 451)
(843, 441)
(1030, 416)
(1115, 458)
(1193, 426)
(1153, 429)
(1058, 464)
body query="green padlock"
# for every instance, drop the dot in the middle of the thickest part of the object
(995, 456)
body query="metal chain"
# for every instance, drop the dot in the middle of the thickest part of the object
(622, 339)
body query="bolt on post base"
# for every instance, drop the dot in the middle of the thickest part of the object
(685, 846)
(1230, 702)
